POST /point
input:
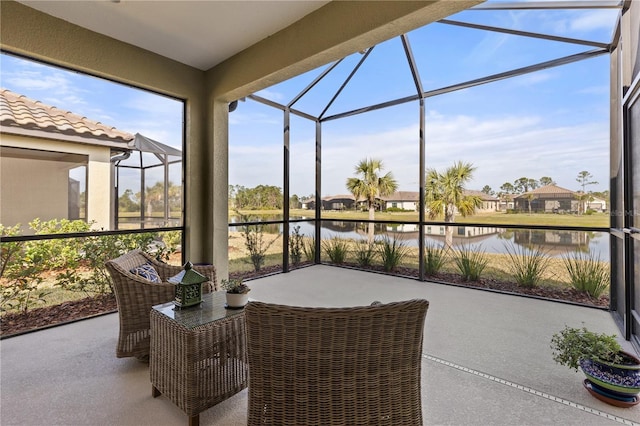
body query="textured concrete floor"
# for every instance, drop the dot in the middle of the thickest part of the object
(486, 360)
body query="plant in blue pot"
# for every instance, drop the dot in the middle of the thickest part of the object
(612, 375)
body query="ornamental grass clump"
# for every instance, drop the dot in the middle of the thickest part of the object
(309, 249)
(527, 264)
(391, 253)
(365, 253)
(470, 262)
(336, 249)
(587, 273)
(571, 345)
(434, 258)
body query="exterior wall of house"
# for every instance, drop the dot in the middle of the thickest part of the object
(43, 192)
(405, 205)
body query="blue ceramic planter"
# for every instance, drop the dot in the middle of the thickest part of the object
(622, 380)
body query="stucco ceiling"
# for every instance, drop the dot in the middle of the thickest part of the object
(197, 33)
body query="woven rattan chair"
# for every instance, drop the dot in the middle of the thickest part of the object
(135, 297)
(335, 366)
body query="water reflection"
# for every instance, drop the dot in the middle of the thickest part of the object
(490, 239)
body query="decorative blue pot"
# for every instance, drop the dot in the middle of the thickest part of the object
(620, 379)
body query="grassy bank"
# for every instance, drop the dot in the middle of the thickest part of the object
(595, 220)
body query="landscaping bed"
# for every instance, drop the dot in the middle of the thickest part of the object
(15, 323)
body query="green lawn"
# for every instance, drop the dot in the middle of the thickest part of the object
(596, 220)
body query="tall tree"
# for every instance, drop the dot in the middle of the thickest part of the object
(506, 192)
(546, 180)
(487, 190)
(584, 179)
(524, 184)
(444, 194)
(371, 185)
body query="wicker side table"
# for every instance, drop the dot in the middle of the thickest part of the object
(198, 354)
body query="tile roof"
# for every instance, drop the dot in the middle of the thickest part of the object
(19, 112)
(548, 190)
(403, 196)
(483, 195)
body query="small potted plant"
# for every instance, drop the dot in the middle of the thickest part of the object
(237, 292)
(613, 375)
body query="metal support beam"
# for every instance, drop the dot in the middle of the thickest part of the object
(544, 5)
(525, 34)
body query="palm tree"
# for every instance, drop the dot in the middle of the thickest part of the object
(444, 194)
(370, 185)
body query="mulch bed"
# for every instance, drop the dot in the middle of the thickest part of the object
(17, 323)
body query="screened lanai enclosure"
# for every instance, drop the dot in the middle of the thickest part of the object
(161, 162)
(530, 99)
(520, 90)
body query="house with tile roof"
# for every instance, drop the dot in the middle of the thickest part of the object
(55, 164)
(405, 200)
(548, 199)
(409, 200)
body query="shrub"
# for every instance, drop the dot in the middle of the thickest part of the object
(254, 241)
(434, 258)
(336, 249)
(571, 345)
(296, 246)
(56, 253)
(470, 262)
(20, 290)
(365, 253)
(587, 273)
(527, 264)
(96, 250)
(391, 253)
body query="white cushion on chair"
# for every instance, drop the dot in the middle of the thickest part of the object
(148, 272)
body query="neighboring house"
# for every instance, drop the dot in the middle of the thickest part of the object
(548, 199)
(406, 200)
(489, 202)
(55, 164)
(338, 202)
(597, 204)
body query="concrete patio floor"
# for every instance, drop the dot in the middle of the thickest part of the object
(486, 360)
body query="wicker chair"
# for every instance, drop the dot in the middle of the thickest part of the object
(335, 366)
(135, 297)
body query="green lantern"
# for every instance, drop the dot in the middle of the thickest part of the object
(188, 287)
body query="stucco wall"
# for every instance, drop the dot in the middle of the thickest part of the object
(43, 190)
(43, 195)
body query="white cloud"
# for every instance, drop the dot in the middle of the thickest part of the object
(503, 149)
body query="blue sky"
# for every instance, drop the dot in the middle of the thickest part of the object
(554, 122)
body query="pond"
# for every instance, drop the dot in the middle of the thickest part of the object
(489, 239)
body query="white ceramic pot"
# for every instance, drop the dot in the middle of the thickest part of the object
(237, 300)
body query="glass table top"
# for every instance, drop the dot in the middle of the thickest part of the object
(211, 309)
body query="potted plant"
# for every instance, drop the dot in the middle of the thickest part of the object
(237, 292)
(613, 375)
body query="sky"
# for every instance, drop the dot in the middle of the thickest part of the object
(553, 122)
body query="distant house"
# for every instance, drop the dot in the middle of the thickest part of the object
(489, 202)
(338, 202)
(49, 157)
(548, 199)
(405, 200)
(597, 204)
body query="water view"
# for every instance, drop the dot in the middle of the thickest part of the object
(489, 239)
